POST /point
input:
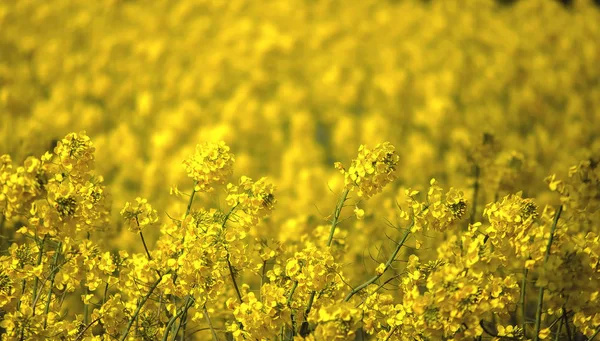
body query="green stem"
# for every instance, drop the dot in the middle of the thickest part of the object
(522, 300)
(262, 278)
(390, 333)
(538, 315)
(183, 325)
(187, 212)
(334, 222)
(23, 285)
(477, 170)
(379, 288)
(105, 291)
(595, 334)
(229, 266)
(567, 328)
(336, 215)
(80, 335)
(557, 336)
(189, 205)
(36, 280)
(186, 307)
(52, 277)
(145, 246)
(86, 308)
(139, 308)
(212, 330)
(304, 326)
(289, 304)
(387, 264)
(188, 303)
(231, 273)
(148, 252)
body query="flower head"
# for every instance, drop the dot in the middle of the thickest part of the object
(371, 170)
(76, 153)
(139, 214)
(211, 163)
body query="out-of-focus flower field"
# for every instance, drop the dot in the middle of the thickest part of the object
(299, 170)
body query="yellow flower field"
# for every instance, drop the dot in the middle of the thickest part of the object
(300, 170)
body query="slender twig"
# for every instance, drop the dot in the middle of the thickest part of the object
(139, 308)
(200, 329)
(105, 292)
(182, 326)
(188, 303)
(52, 271)
(191, 201)
(80, 335)
(148, 252)
(145, 246)
(175, 274)
(304, 326)
(262, 278)
(289, 304)
(475, 194)
(379, 288)
(229, 266)
(556, 320)
(86, 307)
(562, 321)
(538, 315)
(336, 215)
(567, 328)
(23, 285)
(22, 333)
(187, 212)
(390, 333)
(594, 335)
(212, 330)
(334, 222)
(52, 277)
(387, 264)
(557, 336)
(36, 279)
(232, 274)
(490, 333)
(522, 300)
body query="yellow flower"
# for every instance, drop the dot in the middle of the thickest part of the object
(139, 215)
(359, 212)
(212, 163)
(371, 170)
(544, 333)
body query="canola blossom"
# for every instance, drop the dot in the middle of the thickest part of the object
(300, 170)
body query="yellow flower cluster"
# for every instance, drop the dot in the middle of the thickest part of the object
(264, 317)
(139, 215)
(337, 322)
(210, 164)
(253, 200)
(312, 268)
(371, 170)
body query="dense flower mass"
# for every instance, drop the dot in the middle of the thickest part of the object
(471, 210)
(475, 285)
